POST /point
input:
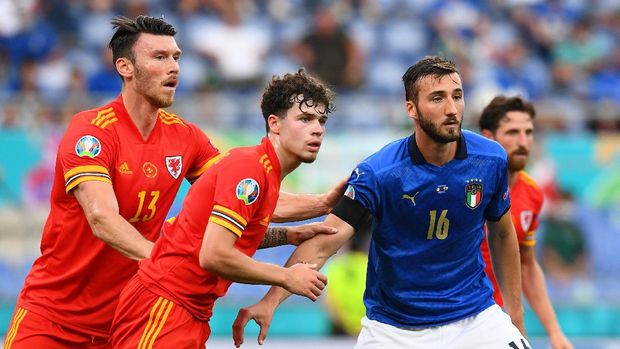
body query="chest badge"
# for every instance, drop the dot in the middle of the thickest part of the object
(174, 164)
(473, 192)
(149, 169)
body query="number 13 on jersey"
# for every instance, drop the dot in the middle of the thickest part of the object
(151, 207)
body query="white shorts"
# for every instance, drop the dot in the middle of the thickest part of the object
(490, 329)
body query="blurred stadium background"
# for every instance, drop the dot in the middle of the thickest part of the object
(564, 55)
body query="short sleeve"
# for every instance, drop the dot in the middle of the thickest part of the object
(205, 156)
(363, 187)
(239, 188)
(500, 202)
(86, 153)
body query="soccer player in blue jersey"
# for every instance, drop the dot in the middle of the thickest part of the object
(429, 196)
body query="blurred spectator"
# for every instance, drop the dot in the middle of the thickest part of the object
(104, 81)
(328, 51)
(564, 252)
(236, 47)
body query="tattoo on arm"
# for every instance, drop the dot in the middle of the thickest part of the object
(274, 237)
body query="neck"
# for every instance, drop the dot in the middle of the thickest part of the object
(288, 162)
(434, 153)
(142, 112)
(512, 178)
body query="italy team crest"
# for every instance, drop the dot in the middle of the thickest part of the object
(473, 193)
(88, 146)
(174, 164)
(248, 190)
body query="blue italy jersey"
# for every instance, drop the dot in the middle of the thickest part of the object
(425, 267)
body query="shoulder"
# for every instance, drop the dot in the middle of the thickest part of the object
(170, 120)
(482, 146)
(530, 185)
(388, 156)
(97, 122)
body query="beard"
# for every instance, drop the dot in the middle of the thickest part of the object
(434, 131)
(147, 86)
(516, 164)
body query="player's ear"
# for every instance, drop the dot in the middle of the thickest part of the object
(411, 109)
(487, 133)
(274, 124)
(124, 67)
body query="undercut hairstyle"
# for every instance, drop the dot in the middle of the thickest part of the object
(301, 88)
(128, 31)
(428, 66)
(497, 109)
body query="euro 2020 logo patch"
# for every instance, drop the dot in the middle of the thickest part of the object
(248, 190)
(88, 146)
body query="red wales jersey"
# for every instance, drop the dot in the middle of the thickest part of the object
(77, 279)
(526, 202)
(240, 192)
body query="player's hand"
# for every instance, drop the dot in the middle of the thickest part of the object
(261, 313)
(298, 234)
(303, 279)
(330, 199)
(560, 341)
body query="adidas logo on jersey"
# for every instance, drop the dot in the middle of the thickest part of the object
(124, 168)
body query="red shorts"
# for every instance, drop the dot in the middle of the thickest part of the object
(144, 320)
(29, 330)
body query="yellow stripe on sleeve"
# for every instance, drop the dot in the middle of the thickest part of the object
(89, 168)
(204, 167)
(226, 224)
(231, 213)
(77, 181)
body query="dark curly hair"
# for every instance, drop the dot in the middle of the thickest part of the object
(427, 66)
(281, 93)
(128, 30)
(496, 110)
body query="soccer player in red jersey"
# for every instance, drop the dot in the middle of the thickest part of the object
(118, 170)
(224, 217)
(509, 121)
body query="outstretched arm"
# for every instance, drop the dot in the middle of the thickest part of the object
(298, 207)
(218, 255)
(315, 251)
(504, 250)
(533, 281)
(100, 207)
(294, 235)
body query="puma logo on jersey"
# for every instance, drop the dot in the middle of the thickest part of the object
(412, 198)
(358, 173)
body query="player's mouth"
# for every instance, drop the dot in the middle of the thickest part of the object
(171, 83)
(451, 122)
(314, 146)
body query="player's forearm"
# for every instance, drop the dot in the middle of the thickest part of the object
(276, 236)
(115, 231)
(235, 266)
(506, 264)
(536, 294)
(298, 207)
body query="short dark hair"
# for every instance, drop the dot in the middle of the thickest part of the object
(496, 110)
(128, 30)
(429, 65)
(302, 88)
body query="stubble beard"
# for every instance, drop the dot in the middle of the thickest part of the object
(434, 132)
(144, 84)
